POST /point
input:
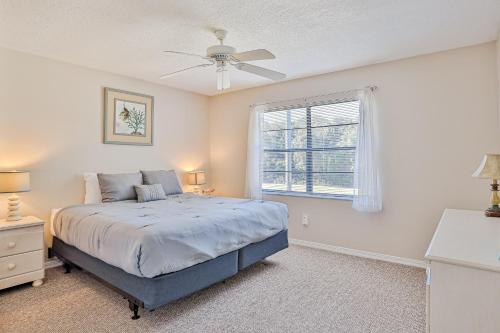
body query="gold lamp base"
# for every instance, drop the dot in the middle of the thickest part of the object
(490, 168)
(494, 210)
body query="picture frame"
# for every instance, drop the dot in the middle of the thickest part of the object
(128, 118)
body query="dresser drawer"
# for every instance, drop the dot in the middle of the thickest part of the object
(21, 263)
(21, 240)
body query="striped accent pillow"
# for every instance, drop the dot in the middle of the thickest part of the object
(147, 193)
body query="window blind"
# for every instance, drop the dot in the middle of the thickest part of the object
(311, 149)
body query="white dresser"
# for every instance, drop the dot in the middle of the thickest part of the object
(464, 274)
(21, 252)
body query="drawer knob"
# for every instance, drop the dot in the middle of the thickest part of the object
(11, 245)
(11, 266)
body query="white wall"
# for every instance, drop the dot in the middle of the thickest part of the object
(498, 69)
(438, 116)
(51, 124)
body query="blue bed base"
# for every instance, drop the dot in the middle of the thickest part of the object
(151, 293)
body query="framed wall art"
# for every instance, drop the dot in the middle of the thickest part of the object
(128, 118)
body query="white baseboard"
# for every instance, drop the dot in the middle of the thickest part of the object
(360, 253)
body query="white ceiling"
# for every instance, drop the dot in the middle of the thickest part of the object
(308, 37)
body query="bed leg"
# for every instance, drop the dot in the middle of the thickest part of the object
(68, 267)
(135, 308)
(50, 253)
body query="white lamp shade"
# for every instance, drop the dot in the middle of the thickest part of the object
(196, 178)
(489, 167)
(14, 181)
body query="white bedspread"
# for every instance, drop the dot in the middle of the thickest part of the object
(158, 237)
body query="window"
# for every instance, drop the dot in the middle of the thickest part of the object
(310, 150)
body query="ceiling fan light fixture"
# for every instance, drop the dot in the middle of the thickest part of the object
(224, 55)
(223, 81)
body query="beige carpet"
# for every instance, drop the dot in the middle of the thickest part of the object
(297, 290)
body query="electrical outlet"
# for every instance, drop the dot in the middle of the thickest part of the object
(305, 220)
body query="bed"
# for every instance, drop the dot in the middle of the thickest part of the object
(156, 252)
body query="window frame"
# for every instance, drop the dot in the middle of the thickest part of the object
(308, 150)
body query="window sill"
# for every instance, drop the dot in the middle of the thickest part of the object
(308, 195)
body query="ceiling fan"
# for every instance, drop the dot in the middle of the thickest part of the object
(224, 55)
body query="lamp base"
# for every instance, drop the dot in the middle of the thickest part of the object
(493, 211)
(196, 189)
(14, 211)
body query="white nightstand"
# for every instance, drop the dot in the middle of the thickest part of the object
(21, 252)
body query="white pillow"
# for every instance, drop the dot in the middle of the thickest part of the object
(92, 189)
(53, 213)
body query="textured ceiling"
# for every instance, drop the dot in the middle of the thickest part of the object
(307, 37)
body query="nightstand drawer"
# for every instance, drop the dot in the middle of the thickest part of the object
(21, 240)
(21, 263)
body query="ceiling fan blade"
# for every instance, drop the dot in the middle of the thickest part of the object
(164, 76)
(188, 54)
(259, 54)
(264, 72)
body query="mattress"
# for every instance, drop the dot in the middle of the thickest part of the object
(160, 237)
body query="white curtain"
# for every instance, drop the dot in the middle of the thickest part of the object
(253, 184)
(366, 169)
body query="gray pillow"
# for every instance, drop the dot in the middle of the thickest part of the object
(167, 179)
(117, 187)
(147, 193)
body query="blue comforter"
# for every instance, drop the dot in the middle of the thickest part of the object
(159, 237)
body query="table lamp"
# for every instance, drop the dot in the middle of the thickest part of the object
(196, 178)
(490, 168)
(14, 182)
